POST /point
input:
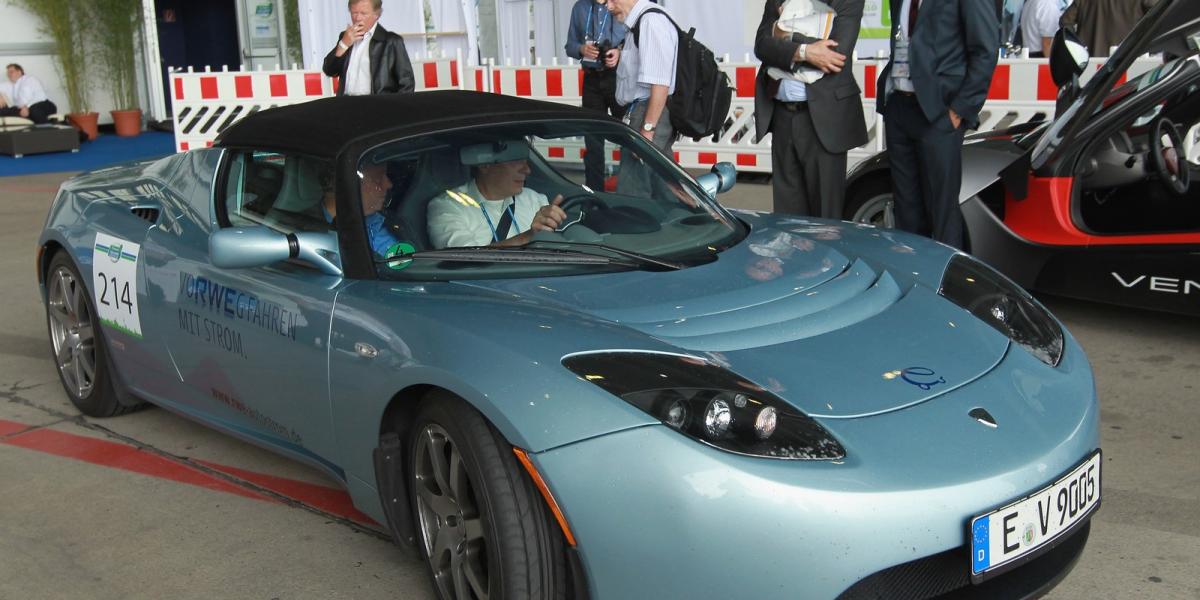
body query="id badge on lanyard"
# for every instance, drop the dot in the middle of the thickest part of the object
(900, 58)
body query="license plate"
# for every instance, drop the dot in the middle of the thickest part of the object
(1018, 530)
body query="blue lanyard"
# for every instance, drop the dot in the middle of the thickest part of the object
(513, 216)
(587, 29)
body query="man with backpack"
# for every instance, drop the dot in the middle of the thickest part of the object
(645, 80)
(646, 69)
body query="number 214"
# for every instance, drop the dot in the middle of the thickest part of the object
(117, 301)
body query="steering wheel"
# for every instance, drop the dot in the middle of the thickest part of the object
(1172, 168)
(580, 204)
(602, 218)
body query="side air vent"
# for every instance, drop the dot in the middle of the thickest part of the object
(149, 214)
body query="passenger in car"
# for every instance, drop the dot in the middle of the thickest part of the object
(374, 186)
(494, 208)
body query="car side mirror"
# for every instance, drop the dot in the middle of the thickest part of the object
(243, 247)
(720, 180)
(1068, 57)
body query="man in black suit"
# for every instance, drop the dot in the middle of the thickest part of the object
(369, 59)
(813, 124)
(931, 91)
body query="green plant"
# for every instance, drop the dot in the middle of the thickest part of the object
(292, 18)
(63, 21)
(115, 30)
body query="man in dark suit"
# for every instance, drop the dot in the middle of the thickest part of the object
(369, 59)
(813, 125)
(931, 91)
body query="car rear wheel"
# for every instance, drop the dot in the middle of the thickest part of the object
(482, 527)
(872, 203)
(77, 342)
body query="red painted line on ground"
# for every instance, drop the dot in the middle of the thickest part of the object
(128, 458)
(331, 500)
(9, 427)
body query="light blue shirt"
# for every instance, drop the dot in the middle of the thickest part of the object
(652, 64)
(791, 90)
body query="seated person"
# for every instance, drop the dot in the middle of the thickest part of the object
(26, 98)
(494, 208)
(374, 186)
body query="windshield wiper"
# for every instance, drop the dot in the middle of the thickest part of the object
(588, 249)
(514, 255)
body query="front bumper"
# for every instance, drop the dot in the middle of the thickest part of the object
(661, 516)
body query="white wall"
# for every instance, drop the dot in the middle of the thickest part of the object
(22, 43)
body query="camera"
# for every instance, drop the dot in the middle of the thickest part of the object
(603, 47)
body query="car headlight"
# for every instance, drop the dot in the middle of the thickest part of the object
(1005, 306)
(708, 404)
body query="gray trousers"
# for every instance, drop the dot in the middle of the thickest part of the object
(806, 179)
(635, 178)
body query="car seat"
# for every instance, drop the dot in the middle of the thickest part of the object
(440, 170)
(298, 205)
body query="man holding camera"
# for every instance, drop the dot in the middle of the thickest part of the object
(595, 34)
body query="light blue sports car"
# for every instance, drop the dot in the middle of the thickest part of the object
(556, 383)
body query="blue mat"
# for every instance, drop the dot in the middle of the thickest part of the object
(103, 151)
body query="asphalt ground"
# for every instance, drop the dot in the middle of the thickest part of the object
(150, 505)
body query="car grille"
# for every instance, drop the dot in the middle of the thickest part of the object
(945, 576)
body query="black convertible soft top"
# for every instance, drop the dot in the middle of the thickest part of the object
(323, 128)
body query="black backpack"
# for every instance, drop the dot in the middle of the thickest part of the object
(700, 104)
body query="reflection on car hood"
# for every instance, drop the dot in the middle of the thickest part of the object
(791, 310)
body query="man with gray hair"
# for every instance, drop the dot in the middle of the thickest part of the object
(369, 59)
(645, 78)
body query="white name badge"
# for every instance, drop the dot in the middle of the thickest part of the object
(900, 60)
(114, 283)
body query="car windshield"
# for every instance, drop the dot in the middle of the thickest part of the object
(476, 203)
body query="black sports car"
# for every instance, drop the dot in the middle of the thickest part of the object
(1096, 203)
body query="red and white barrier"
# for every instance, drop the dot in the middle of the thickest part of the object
(437, 74)
(554, 83)
(206, 103)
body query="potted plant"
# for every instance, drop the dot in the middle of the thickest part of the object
(115, 31)
(63, 22)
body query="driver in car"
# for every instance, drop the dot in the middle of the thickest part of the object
(494, 208)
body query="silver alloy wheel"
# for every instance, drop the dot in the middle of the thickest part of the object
(878, 211)
(452, 531)
(72, 332)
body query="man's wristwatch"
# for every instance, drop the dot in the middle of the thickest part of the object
(649, 127)
(803, 52)
(342, 45)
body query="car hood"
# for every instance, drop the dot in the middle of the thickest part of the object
(794, 309)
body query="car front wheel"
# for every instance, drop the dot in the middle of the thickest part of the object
(482, 527)
(77, 342)
(872, 204)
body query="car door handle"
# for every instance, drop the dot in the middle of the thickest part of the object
(365, 350)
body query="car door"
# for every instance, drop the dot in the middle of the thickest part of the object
(249, 345)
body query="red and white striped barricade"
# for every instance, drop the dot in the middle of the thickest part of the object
(437, 74)
(551, 83)
(206, 103)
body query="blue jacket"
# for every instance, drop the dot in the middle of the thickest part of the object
(951, 57)
(613, 31)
